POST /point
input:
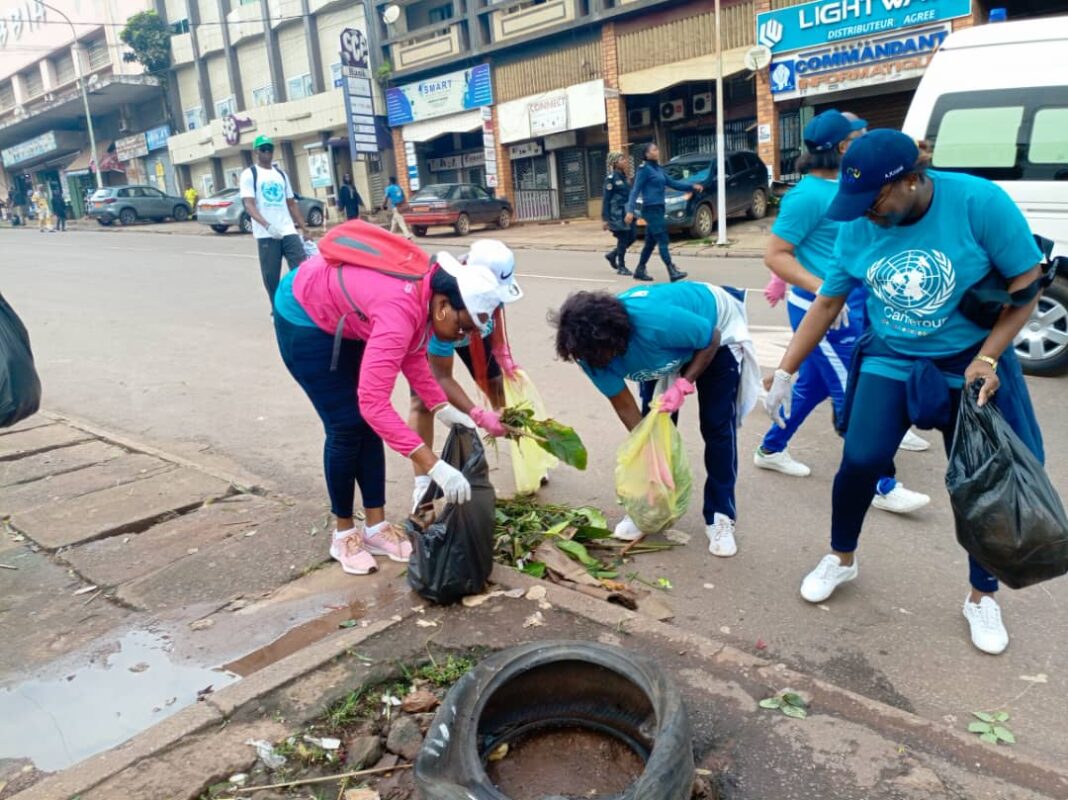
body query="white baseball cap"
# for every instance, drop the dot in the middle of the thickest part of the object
(479, 288)
(500, 260)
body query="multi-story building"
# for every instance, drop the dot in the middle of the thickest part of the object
(43, 132)
(243, 68)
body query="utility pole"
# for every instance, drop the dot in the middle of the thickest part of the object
(721, 158)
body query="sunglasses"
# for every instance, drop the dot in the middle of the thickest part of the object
(267, 148)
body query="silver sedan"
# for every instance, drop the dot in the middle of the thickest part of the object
(224, 209)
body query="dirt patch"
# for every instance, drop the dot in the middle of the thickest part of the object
(570, 762)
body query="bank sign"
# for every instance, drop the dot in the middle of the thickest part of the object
(858, 62)
(828, 21)
(453, 93)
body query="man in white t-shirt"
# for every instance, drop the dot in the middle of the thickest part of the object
(268, 198)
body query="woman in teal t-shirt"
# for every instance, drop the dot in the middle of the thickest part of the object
(919, 240)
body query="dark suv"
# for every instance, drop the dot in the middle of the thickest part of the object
(747, 190)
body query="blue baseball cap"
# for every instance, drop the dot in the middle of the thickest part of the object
(875, 159)
(824, 131)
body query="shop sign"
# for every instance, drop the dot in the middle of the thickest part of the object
(474, 159)
(446, 163)
(156, 139)
(548, 115)
(359, 97)
(233, 125)
(861, 62)
(558, 141)
(319, 166)
(826, 21)
(525, 150)
(29, 150)
(464, 90)
(131, 147)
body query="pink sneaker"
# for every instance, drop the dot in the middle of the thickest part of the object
(389, 540)
(349, 550)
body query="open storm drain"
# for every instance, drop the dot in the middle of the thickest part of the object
(556, 720)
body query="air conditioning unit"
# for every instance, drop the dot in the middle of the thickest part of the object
(672, 110)
(702, 104)
(638, 118)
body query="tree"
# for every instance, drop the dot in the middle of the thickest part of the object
(149, 40)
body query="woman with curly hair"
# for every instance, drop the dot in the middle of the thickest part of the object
(692, 337)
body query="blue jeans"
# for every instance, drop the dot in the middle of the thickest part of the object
(656, 235)
(717, 392)
(353, 453)
(878, 421)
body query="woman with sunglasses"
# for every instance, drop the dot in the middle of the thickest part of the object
(919, 240)
(800, 250)
(345, 334)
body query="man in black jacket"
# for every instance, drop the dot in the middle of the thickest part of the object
(614, 211)
(348, 199)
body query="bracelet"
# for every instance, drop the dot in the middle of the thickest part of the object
(993, 362)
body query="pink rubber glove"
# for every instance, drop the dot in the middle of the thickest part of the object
(504, 360)
(489, 421)
(672, 400)
(775, 290)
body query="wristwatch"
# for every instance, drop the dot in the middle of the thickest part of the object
(993, 362)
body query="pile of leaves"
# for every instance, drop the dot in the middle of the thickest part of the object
(551, 436)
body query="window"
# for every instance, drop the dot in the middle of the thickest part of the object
(440, 13)
(299, 87)
(194, 118)
(64, 69)
(1049, 137)
(7, 95)
(180, 26)
(224, 108)
(978, 137)
(33, 82)
(478, 193)
(98, 53)
(155, 194)
(736, 163)
(335, 74)
(263, 96)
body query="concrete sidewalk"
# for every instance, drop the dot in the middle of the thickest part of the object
(747, 238)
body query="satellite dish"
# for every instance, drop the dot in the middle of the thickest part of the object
(391, 14)
(757, 58)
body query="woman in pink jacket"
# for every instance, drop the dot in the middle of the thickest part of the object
(345, 334)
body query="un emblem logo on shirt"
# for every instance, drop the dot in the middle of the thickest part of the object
(273, 192)
(919, 282)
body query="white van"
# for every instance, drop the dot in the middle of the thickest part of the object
(994, 103)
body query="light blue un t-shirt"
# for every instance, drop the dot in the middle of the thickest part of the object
(669, 323)
(917, 274)
(439, 347)
(286, 305)
(802, 221)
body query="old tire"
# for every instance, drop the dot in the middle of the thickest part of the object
(551, 684)
(463, 225)
(419, 230)
(504, 219)
(127, 216)
(220, 228)
(1042, 344)
(315, 218)
(703, 220)
(758, 205)
(181, 214)
(245, 223)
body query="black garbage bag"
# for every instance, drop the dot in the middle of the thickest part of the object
(452, 553)
(1008, 515)
(20, 388)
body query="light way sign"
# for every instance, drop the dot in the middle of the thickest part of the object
(829, 21)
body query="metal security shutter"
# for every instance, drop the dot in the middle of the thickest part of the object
(574, 191)
(65, 69)
(33, 82)
(7, 96)
(739, 134)
(98, 53)
(252, 66)
(293, 48)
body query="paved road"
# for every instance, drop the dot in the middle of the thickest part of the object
(168, 338)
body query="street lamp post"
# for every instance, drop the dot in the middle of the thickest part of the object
(721, 171)
(76, 52)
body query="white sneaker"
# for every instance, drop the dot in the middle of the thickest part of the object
(900, 500)
(828, 575)
(988, 631)
(781, 462)
(422, 483)
(627, 531)
(917, 444)
(720, 535)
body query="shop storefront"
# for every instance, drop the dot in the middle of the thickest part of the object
(558, 146)
(42, 161)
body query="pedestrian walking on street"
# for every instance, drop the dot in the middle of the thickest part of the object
(18, 199)
(614, 212)
(800, 250)
(649, 185)
(59, 209)
(43, 205)
(487, 357)
(348, 198)
(348, 362)
(921, 241)
(394, 200)
(268, 198)
(695, 338)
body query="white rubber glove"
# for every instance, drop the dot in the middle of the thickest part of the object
(275, 232)
(780, 397)
(448, 416)
(842, 320)
(452, 483)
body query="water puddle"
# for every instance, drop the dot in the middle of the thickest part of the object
(59, 721)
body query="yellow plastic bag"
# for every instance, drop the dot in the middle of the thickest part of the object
(530, 463)
(653, 478)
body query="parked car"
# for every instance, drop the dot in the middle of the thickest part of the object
(225, 209)
(458, 205)
(991, 104)
(747, 191)
(127, 204)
